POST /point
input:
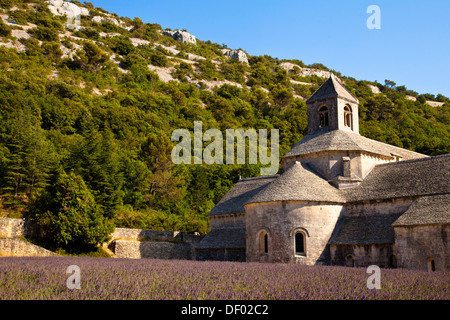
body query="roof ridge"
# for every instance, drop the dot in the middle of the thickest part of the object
(413, 160)
(339, 81)
(332, 87)
(256, 178)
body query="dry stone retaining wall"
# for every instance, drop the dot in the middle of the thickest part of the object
(21, 248)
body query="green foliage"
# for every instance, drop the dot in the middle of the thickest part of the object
(68, 213)
(110, 128)
(44, 34)
(4, 29)
(91, 58)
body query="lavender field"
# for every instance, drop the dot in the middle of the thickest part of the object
(107, 278)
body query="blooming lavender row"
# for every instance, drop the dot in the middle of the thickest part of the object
(106, 278)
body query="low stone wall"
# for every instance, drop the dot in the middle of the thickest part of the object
(10, 227)
(20, 248)
(153, 250)
(125, 243)
(141, 234)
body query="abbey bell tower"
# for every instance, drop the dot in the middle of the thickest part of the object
(332, 107)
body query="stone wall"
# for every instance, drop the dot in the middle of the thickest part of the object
(125, 243)
(234, 220)
(153, 250)
(281, 221)
(363, 255)
(10, 227)
(220, 254)
(142, 234)
(20, 248)
(415, 246)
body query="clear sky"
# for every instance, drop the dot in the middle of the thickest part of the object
(412, 48)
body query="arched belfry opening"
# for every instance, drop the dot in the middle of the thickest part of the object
(323, 117)
(348, 118)
(332, 107)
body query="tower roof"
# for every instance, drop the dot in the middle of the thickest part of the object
(330, 89)
(340, 140)
(242, 191)
(299, 182)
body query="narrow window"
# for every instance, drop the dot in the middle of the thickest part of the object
(393, 261)
(349, 261)
(266, 243)
(263, 243)
(431, 266)
(299, 243)
(323, 117)
(348, 117)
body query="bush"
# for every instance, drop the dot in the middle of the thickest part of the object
(4, 29)
(45, 34)
(68, 213)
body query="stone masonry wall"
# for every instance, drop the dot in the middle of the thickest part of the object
(281, 220)
(416, 245)
(21, 248)
(363, 255)
(125, 243)
(153, 250)
(142, 234)
(10, 227)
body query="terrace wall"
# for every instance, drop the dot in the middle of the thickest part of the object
(153, 250)
(21, 248)
(10, 227)
(125, 243)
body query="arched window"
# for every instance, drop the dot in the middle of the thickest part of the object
(263, 243)
(323, 117)
(348, 117)
(392, 261)
(299, 243)
(350, 261)
(431, 265)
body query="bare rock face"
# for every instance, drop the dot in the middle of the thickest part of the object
(304, 72)
(236, 54)
(64, 8)
(70, 10)
(181, 36)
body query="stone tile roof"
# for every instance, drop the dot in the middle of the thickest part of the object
(299, 182)
(365, 229)
(411, 178)
(330, 89)
(426, 210)
(241, 192)
(342, 140)
(219, 238)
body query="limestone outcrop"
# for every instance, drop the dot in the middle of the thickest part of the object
(304, 72)
(64, 8)
(235, 54)
(182, 36)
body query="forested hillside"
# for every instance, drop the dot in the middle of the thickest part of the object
(87, 117)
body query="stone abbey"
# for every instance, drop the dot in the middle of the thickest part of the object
(340, 199)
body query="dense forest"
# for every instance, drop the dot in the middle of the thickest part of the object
(85, 140)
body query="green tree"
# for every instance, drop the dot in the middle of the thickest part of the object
(4, 29)
(91, 57)
(96, 160)
(69, 215)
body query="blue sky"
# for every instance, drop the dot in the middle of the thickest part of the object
(412, 48)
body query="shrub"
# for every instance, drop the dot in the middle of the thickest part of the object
(45, 34)
(4, 29)
(67, 211)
